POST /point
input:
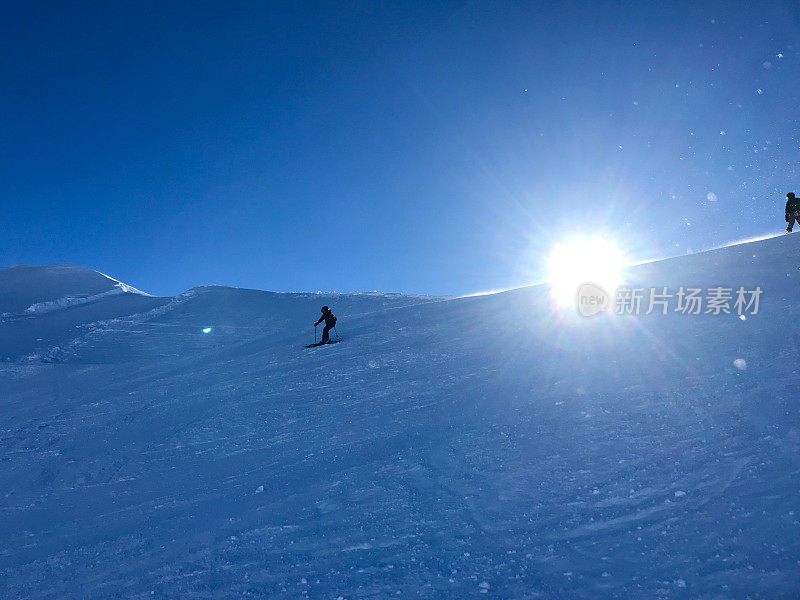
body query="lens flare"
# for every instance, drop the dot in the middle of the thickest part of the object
(590, 260)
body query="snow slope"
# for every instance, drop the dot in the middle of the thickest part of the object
(474, 447)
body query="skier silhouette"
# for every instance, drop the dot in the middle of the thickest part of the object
(330, 323)
(792, 210)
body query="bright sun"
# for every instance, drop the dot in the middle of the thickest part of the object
(588, 260)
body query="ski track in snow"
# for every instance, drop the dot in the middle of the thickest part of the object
(474, 447)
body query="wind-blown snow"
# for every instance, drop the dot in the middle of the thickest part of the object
(758, 238)
(473, 447)
(40, 307)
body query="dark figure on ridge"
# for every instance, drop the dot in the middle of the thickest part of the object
(792, 210)
(330, 323)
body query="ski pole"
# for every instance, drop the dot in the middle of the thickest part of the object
(315, 334)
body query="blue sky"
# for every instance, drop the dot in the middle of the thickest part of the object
(427, 147)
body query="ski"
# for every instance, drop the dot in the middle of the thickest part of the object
(322, 343)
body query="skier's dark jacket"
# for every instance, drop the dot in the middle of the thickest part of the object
(792, 207)
(327, 316)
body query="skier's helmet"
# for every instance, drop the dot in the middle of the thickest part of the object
(324, 308)
(790, 195)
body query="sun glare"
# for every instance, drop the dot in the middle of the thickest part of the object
(590, 260)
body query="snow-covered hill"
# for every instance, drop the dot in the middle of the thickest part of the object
(488, 446)
(42, 289)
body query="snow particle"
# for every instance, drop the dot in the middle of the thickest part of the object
(679, 493)
(740, 364)
(712, 197)
(766, 64)
(759, 91)
(259, 489)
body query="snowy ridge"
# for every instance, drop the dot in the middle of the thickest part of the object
(739, 242)
(124, 287)
(28, 289)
